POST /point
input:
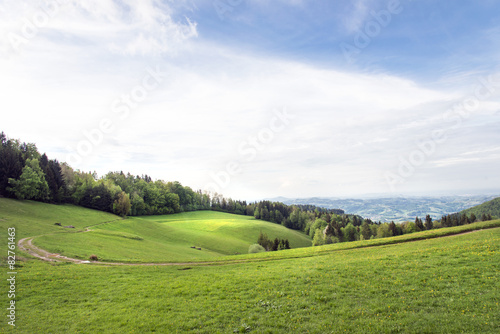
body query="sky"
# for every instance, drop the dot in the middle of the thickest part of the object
(258, 99)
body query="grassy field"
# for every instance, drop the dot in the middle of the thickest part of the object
(170, 238)
(429, 286)
(34, 218)
(146, 239)
(438, 285)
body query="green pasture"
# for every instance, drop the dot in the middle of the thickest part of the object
(140, 239)
(427, 282)
(431, 286)
(32, 218)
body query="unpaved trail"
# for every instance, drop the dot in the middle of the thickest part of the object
(27, 246)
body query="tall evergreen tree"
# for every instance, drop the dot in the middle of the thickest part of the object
(419, 224)
(428, 222)
(464, 219)
(264, 241)
(275, 245)
(11, 163)
(392, 228)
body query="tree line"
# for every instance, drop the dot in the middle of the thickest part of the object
(457, 219)
(340, 229)
(27, 174)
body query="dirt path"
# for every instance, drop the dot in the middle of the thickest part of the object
(26, 245)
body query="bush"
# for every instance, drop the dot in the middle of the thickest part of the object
(256, 248)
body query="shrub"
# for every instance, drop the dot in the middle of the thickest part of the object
(256, 248)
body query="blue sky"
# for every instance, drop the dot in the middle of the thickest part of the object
(255, 99)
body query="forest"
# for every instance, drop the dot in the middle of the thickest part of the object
(27, 174)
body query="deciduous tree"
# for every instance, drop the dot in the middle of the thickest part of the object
(31, 184)
(122, 205)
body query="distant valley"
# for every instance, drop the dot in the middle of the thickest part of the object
(395, 209)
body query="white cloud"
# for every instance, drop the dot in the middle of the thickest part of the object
(128, 27)
(214, 103)
(348, 127)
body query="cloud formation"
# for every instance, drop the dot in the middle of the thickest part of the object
(126, 27)
(216, 99)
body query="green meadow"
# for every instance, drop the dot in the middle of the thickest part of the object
(418, 283)
(34, 218)
(146, 239)
(170, 238)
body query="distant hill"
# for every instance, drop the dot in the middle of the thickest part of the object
(395, 209)
(491, 207)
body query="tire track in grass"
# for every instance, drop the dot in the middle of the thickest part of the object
(26, 245)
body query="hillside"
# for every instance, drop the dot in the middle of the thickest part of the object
(429, 286)
(147, 239)
(29, 175)
(396, 209)
(489, 208)
(370, 286)
(170, 238)
(32, 218)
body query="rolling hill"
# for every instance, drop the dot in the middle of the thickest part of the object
(396, 209)
(371, 286)
(167, 238)
(491, 207)
(429, 286)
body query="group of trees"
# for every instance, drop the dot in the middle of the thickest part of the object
(344, 229)
(296, 217)
(458, 219)
(272, 245)
(27, 174)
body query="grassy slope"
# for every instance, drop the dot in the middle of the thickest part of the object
(35, 218)
(430, 286)
(169, 238)
(146, 239)
(491, 207)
